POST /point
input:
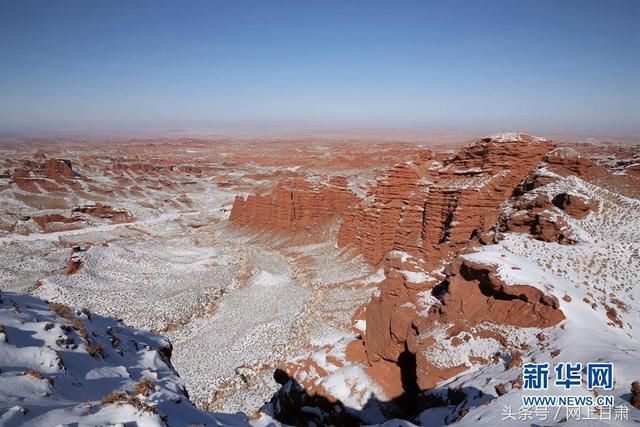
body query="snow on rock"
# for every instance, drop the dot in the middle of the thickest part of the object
(514, 136)
(59, 365)
(595, 286)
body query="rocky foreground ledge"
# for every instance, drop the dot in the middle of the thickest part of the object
(61, 366)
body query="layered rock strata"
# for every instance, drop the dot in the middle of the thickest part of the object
(438, 311)
(409, 317)
(432, 209)
(296, 204)
(53, 175)
(429, 207)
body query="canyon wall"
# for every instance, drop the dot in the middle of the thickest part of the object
(439, 311)
(296, 204)
(428, 207)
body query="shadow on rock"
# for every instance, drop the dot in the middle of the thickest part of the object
(293, 405)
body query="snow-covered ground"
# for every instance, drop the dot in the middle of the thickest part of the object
(62, 366)
(232, 304)
(223, 356)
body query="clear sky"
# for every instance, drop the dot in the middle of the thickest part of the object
(548, 65)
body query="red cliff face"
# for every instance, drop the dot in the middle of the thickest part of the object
(391, 217)
(427, 207)
(430, 209)
(59, 168)
(429, 212)
(473, 296)
(295, 205)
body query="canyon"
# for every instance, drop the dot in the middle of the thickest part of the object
(313, 281)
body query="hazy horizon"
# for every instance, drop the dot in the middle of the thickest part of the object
(545, 67)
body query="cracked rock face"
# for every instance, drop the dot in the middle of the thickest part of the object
(426, 207)
(472, 296)
(432, 209)
(295, 205)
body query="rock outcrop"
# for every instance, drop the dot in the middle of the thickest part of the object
(53, 175)
(408, 317)
(566, 161)
(56, 222)
(75, 260)
(534, 215)
(105, 211)
(419, 332)
(574, 205)
(431, 209)
(59, 169)
(296, 204)
(440, 309)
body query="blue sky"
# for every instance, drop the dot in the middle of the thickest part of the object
(568, 66)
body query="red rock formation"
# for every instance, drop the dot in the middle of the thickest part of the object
(633, 170)
(535, 216)
(75, 260)
(295, 205)
(392, 217)
(51, 176)
(574, 205)
(56, 222)
(431, 209)
(59, 168)
(567, 161)
(473, 294)
(105, 211)
(402, 331)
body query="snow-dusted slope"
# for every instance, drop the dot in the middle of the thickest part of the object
(62, 366)
(596, 283)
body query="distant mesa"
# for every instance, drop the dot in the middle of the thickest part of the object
(53, 175)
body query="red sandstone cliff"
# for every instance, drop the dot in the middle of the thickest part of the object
(296, 204)
(426, 207)
(36, 177)
(431, 209)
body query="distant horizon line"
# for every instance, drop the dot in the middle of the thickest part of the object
(409, 133)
